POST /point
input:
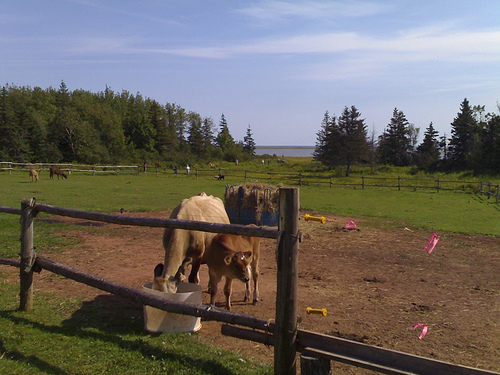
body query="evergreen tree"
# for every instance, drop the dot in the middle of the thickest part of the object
(353, 143)
(248, 142)
(428, 152)
(207, 130)
(326, 148)
(137, 127)
(490, 149)
(342, 141)
(195, 137)
(394, 145)
(465, 137)
(224, 139)
(158, 119)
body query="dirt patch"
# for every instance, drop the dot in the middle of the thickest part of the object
(376, 283)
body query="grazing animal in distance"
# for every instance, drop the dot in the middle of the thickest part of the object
(180, 244)
(219, 177)
(56, 171)
(233, 257)
(212, 165)
(33, 175)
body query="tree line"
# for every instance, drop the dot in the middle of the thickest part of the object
(474, 143)
(59, 125)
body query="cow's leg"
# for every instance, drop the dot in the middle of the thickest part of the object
(214, 281)
(227, 292)
(255, 277)
(194, 276)
(247, 287)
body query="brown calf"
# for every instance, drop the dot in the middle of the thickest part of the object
(233, 257)
(58, 172)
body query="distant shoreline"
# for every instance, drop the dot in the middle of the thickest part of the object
(289, 151)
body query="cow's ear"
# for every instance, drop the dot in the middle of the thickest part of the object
(158, 270)
(247, 254)
(228, 260)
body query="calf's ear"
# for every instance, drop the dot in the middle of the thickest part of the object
(247, 254)
(228, 260)
(158, 270)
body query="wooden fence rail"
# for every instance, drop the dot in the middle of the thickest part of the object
(283, 334)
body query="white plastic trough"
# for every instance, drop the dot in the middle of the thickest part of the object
(156, 320)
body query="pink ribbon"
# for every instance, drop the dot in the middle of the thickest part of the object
(350, 225)
(432, 243)
(424, 330)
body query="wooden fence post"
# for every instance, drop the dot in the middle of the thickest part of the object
(285, 349)
(314, 366)
(363, 182)
(27, 255)
(399, 182)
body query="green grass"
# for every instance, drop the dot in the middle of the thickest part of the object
(103, 336)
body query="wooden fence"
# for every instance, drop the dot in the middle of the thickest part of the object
(317, 350)
(71, 168)
(491, 190)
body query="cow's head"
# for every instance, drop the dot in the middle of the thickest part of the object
(238, 264)
(162, 283)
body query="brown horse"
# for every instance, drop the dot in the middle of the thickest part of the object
(58, 172)
(33, 175)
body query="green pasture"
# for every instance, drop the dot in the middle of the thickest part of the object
(424, 209)
(77, 337)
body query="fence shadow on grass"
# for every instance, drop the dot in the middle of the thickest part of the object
(35, 362)
(105, 319)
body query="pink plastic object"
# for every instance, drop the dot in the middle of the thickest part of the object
(432, 243)
(424, 330)
(350, 225)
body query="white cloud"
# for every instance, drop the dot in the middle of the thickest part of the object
(273, 11)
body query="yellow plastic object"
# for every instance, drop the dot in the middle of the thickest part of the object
(321, 219)
(310, 311)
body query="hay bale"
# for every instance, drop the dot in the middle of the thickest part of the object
(259, 198)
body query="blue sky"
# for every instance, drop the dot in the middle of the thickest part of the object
(274, 65)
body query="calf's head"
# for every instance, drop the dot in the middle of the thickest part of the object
(238, 265)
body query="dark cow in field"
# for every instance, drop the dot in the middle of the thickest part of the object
(56, 171)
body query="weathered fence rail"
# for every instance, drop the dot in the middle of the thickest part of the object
(283, 334)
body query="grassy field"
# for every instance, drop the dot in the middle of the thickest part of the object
(27, 340)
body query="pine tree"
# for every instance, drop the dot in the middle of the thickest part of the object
(224, 139)
(195, 137)
(394, 145)
(465, 137)
(248, 142)
(325, 148)
(342, 141)
(353, 143)
(490, 149)
(428, 153)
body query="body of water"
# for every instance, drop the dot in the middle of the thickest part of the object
(296, 151)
